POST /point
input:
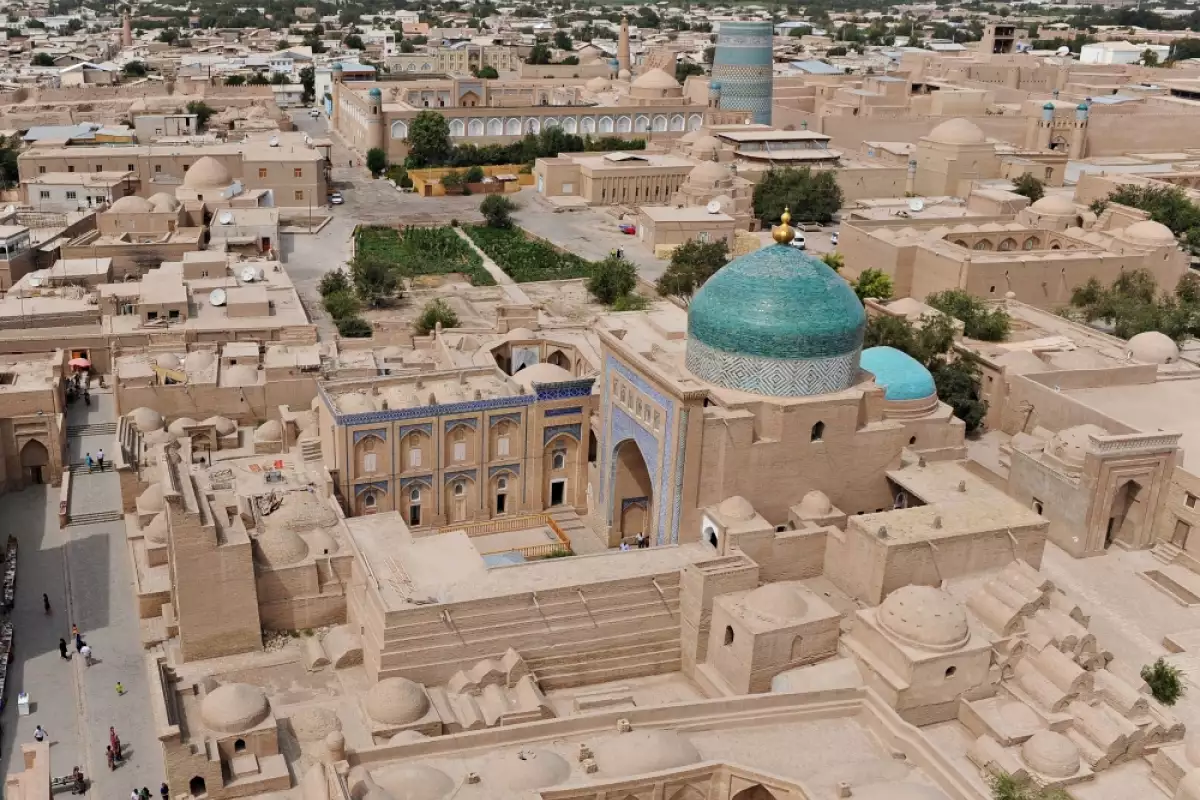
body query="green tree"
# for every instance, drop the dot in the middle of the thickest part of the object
(474, 174)
(235, 80)
(834, 260)
(487, 73)
(978, 321)
(453, 180)
(202, 110)
(1006, 787)
(280, 79)
(308, 77)
(692, 263)
(436, 311)
(612, 278)
(134, 69)
(374, 279)
(10, 174)
(1133, 305)
(377, 161)
(1029, 186)
(407, 47)
(341, 304)
(42, 60)
(354, 328)
(685, 68)
(333, 281)
(811, 196)
(539, 54)
(497, 211)
(570, 61)
(1165, 681)
(562, 40)
(282, 44)
(354, 42)
(1149, 58)
(873, 283)
(428, 140)
(258, 79)
(168, 35)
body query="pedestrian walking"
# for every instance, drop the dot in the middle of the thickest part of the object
(113, 739)
(86, 652)
(90, 464)
(136, 795)
(165, 791)
(87, 398)
(120, 689)
(78, 642)
(39, 733)
(145, 793)
(46, 602)
(112, 762)
(62, 649)
(116, 747)
(100, 459)
(74, 630)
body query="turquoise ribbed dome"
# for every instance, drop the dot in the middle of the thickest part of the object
(901, 375)
(776, 321)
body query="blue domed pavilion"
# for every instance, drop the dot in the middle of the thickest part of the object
(901, 376)
(776, 322)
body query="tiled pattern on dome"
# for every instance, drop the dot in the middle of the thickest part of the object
(742, 64)
(776, 377)
(778, 303)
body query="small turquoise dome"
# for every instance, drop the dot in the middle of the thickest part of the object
(901, 375)
(1048, 107)
(777, 322)
(375, 93)
(1082, 107)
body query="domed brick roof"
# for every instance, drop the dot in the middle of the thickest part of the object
(901, 375)
(1153, 347)
(957, 131)
(710, 173)
(269, 431)
(241, 375)
(177, 427)
(397, 701)
(1055, 204)
(1071, 444)
(642, 751)
(156, 529)
(199, 360)
(1150, 232)
(207, 173)
(525, 770)
(131, 204)
(815, 504)
(280, 547)
(161, 201)
(736, 507)
(655, 79)
(234, 707)
(924, 617)
(315, 723)
(151, 500)
(414, 782)
(224, 425)
(776, 322)
(598, 84)
(1051, 754)
(146, 419)
(776, 602)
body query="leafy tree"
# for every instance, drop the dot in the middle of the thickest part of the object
(258, 79)
(1169, 205)
(873, 283)
(452, 180)
(497, 211)
(1165, 682)
(374, 279)
(692, 263)
(42, 60)
(570, 61)
(834, 260)
(1029, 186)
(709, 53)
(539, 54)
(10, 174)
(488, 73)
(333, 281)
(1133, 305)
(1149, 58)
(280, 79)
(612, 278)
(354, 42)
(839, 50)
(931, 342)
(978, 322)
(428, 140)
(811, 196)
(406, 46)
(1006, 787)
(436, 311)
(169, 35)
(685, 68)
(134, 69)
(202, 110)
(308, 77)
(647, 17)
(235, 80)
(341, 304)
(803, 30)
(376, 161)
(354, 328)
(562, 40)
(473, 175)
(282, 44)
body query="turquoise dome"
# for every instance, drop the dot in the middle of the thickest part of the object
(777, 322)
(375, 93)
(901, 375)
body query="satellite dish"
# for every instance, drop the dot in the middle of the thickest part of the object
(1063, 51)
(226, 218)
(273, 141)
(713, 207)
(916, 204)
(217, 297)
(249, 274)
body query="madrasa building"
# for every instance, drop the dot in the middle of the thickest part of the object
(760, 390)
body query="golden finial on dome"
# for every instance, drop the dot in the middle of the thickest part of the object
(783, 232)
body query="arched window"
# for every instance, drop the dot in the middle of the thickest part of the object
(728, 635)
(818, 431)
(502, 485)
(369, 500)
(1031, 243)
(983, 244)
(239, 746)
(460, 489)
(560, 460)
(414, 450)
(414, 496)
(196, 786)
(1008, 244)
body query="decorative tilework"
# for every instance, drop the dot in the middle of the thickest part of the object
(564, 390)
(467, 422)
(514, 469)
(447, 409)
(450, 477)
(496, 419)
(775, 377)
(423, 480)
(379, 486)
(634, 501)
(742, 64)
(423, 427)
(378, 433)
(680, 461)
(575, 431)
(563, 412)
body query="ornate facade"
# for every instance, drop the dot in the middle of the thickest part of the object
(742, 68)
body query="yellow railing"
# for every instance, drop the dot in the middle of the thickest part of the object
(507, 525)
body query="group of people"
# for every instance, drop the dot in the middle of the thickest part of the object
(81, 646)
(641, 541)
(113, 751)
(78, 387)
(97, 462)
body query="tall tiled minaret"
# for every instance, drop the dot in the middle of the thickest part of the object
(126, 31)
(623, 46)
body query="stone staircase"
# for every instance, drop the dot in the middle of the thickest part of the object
(95, 429)
(81, 468)
(651, 652)
(96, 518)
(1166, 552)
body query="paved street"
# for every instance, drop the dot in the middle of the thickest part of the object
(86, 572)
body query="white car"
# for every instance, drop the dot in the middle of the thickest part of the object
(833, 238)
(336, 199)
(314, 113)
(798, 241)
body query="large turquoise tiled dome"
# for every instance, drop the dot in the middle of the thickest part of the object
(776, 322)
(901, 376)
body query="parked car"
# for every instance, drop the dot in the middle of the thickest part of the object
(833, 238)
(336, 199)
(798, 241)
(314, 112)
(628, 228)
